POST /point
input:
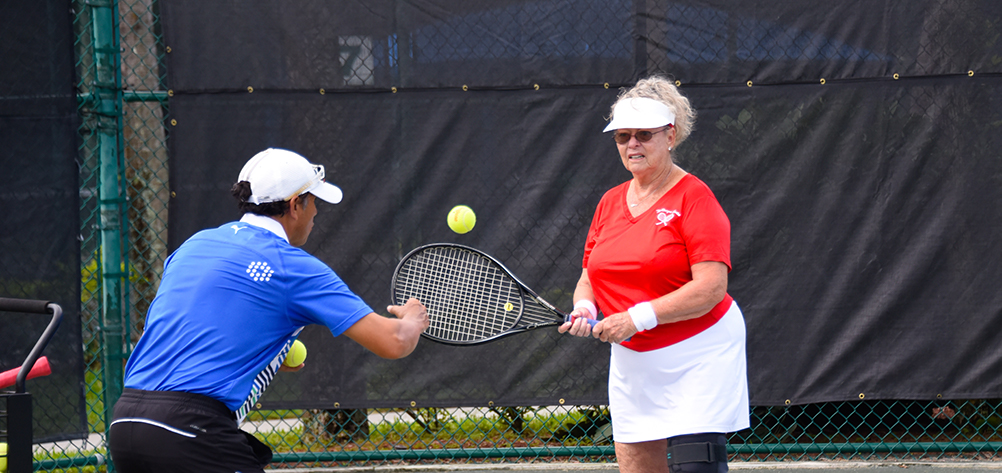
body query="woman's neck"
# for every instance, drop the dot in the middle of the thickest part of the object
(646, 191)
(650, 184)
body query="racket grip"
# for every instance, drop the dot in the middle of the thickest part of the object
(568, 318)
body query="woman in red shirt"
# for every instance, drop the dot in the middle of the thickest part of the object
(656, 263)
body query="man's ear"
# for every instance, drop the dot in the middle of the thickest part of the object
(295, 206)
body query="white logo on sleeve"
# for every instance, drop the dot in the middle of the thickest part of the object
(260, 271)
(236, 229)
(665, 216)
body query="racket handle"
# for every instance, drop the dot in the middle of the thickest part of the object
(568, 318)
(592, 322)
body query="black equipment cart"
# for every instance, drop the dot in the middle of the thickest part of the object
(15, 407)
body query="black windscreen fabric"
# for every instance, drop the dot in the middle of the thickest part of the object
(39, 247)
(864, 208)
(724, 41)
(314, 44)
(336, 45)
(863, 220)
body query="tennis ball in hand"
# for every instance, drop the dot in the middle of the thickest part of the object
(462, 219)
(296, 356)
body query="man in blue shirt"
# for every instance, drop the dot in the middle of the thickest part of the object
(231, 302)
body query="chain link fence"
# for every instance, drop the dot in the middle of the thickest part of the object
(127, 37)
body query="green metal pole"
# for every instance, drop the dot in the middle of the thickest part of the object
(89, 99)
(111, 194)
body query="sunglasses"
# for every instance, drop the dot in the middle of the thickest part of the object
(643, 136)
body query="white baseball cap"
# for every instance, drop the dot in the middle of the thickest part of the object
(277, 175)
(640, 112)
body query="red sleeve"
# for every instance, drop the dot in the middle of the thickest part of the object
(707, 232)
(596, 222)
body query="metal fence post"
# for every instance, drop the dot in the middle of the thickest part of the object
(111, 192)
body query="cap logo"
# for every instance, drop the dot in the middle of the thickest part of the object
(313, 182)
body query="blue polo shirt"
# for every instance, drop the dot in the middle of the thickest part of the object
(230, 303)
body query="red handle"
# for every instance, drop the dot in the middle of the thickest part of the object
(41, 368)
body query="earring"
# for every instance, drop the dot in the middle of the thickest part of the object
(669, 148)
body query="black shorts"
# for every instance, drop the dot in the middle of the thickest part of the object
(157, 431)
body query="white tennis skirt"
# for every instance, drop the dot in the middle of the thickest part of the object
(694, 386)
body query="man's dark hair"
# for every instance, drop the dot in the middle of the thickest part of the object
(242, 191)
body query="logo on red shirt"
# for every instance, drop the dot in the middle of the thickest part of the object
(665, 216)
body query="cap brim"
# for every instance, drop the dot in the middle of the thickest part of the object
(638, 123)
(327, 192)
(640, 113)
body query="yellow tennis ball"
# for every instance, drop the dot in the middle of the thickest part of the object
(296, 356)
(3, 457)
(462, 219)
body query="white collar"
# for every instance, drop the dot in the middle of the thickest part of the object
(266, 223)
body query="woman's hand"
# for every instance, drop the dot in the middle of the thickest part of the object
(578, 326)
(615, 328)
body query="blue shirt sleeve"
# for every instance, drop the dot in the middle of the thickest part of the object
(315, 291)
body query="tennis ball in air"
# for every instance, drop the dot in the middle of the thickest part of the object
(296, 356)
(3, 457)
(462, 219)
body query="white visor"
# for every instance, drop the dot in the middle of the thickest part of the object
(640, 113)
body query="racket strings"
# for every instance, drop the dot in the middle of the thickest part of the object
(468, 297)
(536, 312)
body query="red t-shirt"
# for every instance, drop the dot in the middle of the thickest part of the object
(636, 259)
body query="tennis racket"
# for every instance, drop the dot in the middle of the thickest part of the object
(470, 296)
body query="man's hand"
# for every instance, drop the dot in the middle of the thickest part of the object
(392, 337)
(412, 311)
(291, 369)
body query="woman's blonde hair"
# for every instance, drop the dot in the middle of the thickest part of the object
(662, 89)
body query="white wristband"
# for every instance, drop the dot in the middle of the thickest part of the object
(643, 316)
(589, 306)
